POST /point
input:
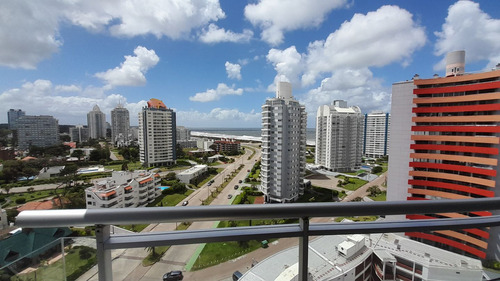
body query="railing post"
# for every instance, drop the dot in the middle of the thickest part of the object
(304, 249)
(105, 272)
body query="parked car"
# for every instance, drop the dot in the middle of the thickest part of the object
(236, 186)
(229, 196)
(237, 275)
(173, 275)
(185, 203)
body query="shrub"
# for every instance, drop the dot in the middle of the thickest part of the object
(377, 169)
(20, 200)
(86, 253)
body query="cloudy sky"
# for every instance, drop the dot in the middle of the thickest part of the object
(215, 62)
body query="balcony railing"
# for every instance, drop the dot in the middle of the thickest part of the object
(102, 219)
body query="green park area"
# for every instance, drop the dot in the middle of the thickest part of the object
(14, 199)
(78, 260)
(350, 183)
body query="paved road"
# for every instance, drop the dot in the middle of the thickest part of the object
(177, 257)
(127, 263)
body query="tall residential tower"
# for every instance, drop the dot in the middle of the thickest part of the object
(12, 116)
(96, 122)
(120, 125)
(157, 130)
(445, 136)
(376, 140)
(284, 123)
(339, 137)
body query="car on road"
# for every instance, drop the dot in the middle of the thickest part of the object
(236, 186)
(229, 196)
(173, 275)
(185, 203)
(237, 275)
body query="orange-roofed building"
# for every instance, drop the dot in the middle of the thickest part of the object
(156, 103)
(124, 190)
(42, 205)
(157, 135)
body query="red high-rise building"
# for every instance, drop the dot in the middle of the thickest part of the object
(447, 147)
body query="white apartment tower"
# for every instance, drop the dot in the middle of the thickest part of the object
(376, 141)
(284, 123)
(183, 133)
(96, 122)
(157, 130)
(339, 137)
(120, 125)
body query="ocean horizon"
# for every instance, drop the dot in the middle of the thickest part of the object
(252, 132)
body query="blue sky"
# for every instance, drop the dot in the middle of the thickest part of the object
(216, 62)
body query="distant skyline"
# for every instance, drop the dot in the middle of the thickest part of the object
(216, 62)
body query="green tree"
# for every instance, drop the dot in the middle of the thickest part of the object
(374, 190)
(69, 169)
(377, 169)
(12, 169)
(77, 153)
(170, 176)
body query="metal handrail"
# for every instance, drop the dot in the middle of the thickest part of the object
(80, 217)
(103, 218)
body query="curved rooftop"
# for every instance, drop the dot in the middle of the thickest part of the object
(156, 103)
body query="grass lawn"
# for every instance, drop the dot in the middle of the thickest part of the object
(316, 194)
(380, 197)
(54, 271)
(356, 219)
(131, 166)
(31, 196)
(159, 251)
(216, 253)
(354, 183)
(173, 199)
(134, 227)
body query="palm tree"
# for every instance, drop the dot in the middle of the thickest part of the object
(152, 251)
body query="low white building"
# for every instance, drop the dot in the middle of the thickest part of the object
(387, 257)
(191, 173)
(49, 172)
(124, 190)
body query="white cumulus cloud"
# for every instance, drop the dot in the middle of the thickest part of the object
(233, 70)
(131, 71)
(216, 94)
(378, 38)
(68, 88)
(277, 17)
(215, 34)
(41, 97)
(288, 63)
(357, 86)
(29, 30)
(468, 28)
